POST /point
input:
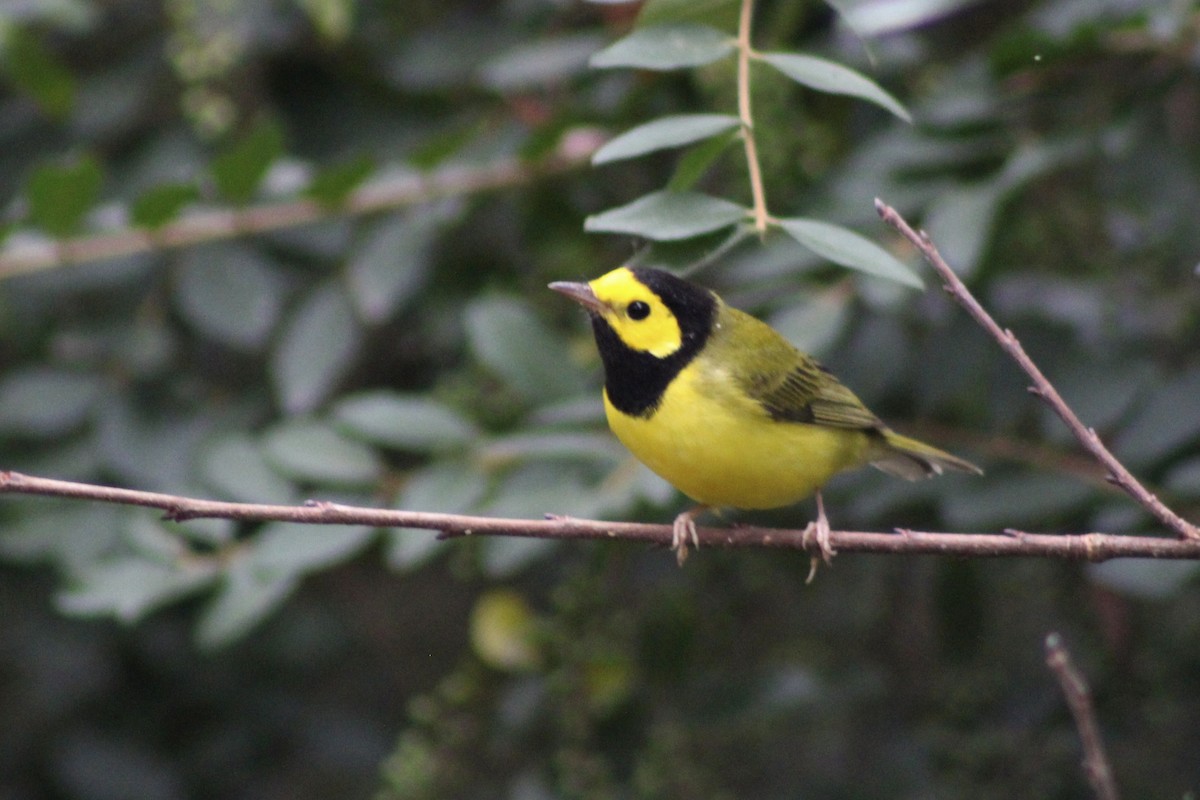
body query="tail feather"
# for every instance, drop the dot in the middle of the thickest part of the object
(909, 459)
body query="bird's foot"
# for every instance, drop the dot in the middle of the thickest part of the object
(683, 530)
(819, 530)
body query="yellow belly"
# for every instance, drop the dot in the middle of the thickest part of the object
(719, 448)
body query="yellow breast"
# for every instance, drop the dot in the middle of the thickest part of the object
(720, 448)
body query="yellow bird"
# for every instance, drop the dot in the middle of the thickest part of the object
(724, 408)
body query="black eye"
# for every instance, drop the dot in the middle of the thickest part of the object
(638, 310)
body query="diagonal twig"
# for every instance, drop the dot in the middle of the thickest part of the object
(1087, 437)
(1079, 700)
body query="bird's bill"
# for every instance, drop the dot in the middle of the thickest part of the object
(581, 293)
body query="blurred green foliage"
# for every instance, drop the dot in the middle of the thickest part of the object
(411, 357)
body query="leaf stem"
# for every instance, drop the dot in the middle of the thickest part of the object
(745, 51)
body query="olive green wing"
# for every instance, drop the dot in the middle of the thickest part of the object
(787, 384)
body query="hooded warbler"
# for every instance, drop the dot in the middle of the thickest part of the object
(725, 408)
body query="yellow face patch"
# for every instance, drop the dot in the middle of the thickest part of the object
(636, 314)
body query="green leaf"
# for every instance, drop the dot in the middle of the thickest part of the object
(815, 325)
(291, 548)
(39, 72)
(61, 194)
(530, 491)
(237, 469)
(246, 597)
(333, 184)
(130, 588)
(506, 337)
(541, 447)
(332, 19)
(161, 204)
(231, 292)
(392, 264)
(694, 163)
(845, 247)
(1184, 478)
(722, 14)
(539, 62)
(961, 220)
(310, 451)
(504, 631)
(317, 346)
(447, 487)
(1146, 579)
(57, 534)
(405, 422)
(666, 47)
(833, 78)
(660, 134)
(239, 170)
(1101, 393)
(883, 17)
(45, 402)
(1160, 427)
(667, 216)
(1010, 500)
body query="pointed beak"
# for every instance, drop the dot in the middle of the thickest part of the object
(581, 293)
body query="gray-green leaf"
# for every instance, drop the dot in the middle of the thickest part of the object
(317, 345)
(235, 466)
(44, 401)
(392, 264)
(961, 220)
(511, 341)
(660, 134)
(539, 63)
(307, 450)
(849, 249)
(246, 597)
(833, 78)
(664, 47)
(667, 216)
(230, 292)
(448, 487)
(406, 422)
(129, 588)
(294, 549)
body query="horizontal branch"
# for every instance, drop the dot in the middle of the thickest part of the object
(198, 227)
(1076, 547)
(1087, 437)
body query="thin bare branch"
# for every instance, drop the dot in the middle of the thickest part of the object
(1079, 700)
(1082, 547)
(1087, 437)
(198, 227)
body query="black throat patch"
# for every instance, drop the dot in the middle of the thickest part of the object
(635, 380)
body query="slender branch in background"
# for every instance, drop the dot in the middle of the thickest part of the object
(412, 188)
(1088, 438)
(1083, 547)
(1079, 700)
(758, 194)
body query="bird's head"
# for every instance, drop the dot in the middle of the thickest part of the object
(649, 311)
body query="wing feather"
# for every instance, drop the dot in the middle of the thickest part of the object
(791, 386)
